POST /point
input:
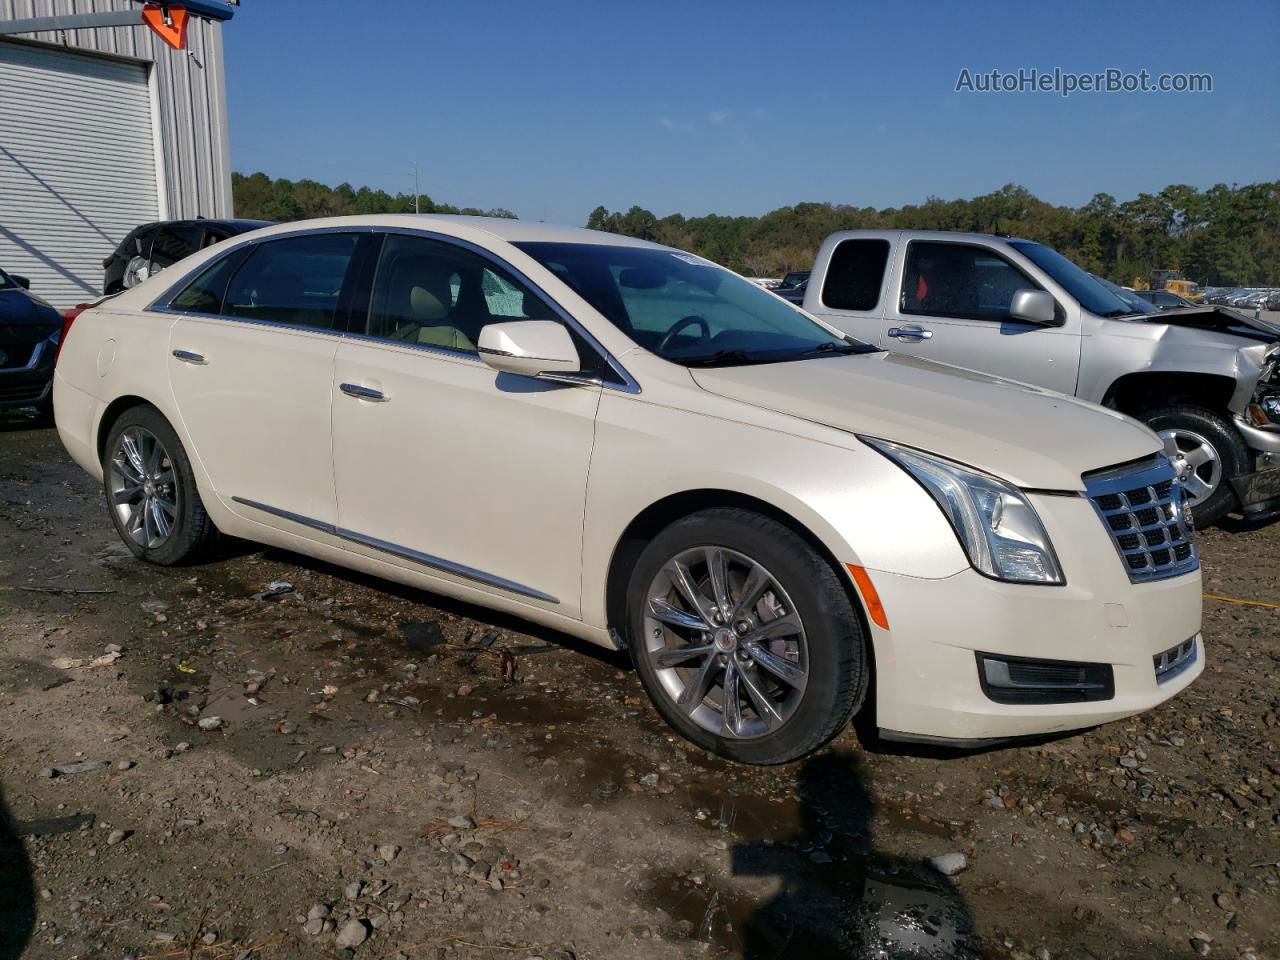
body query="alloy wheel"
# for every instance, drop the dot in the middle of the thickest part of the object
(725, 642)
(1196, 460)
(143, 487)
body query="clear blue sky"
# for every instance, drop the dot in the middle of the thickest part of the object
(703, 106)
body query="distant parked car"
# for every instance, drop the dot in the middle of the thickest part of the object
(794, 279)
(794, 294)
(1272, 302)
(1163, 299)
(150, 248)
(29, 332)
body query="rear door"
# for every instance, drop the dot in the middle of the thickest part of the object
(952, 305)
(251, 365)
(854, 286)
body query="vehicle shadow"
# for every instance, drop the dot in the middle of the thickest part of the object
(17, 889)
(618, 659)
(24, 418)
(840, 897)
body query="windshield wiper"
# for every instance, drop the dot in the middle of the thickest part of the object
(723, 358)
(842, 348)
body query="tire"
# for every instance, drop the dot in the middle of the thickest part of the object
(167, 478)
(817, 641)
(1190, 432)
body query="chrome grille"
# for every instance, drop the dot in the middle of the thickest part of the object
(1143, 508)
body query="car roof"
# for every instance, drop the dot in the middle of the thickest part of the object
(501, 228)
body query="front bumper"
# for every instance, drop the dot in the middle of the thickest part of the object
(1259, 492)
(927, 680)
(31, 383)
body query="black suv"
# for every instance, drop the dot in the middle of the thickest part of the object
(150, 248)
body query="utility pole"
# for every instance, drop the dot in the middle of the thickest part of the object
(415, 187)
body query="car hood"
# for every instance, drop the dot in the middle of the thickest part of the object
(1222, 319)
(19, 308)
(1031, 437)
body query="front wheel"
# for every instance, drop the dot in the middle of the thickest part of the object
(744, 637)
(1208, 453)
(151, 491)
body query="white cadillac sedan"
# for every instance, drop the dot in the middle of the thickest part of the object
(635, 446)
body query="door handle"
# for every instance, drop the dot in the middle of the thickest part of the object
(910, 334)
(186, 356)
(363, 393)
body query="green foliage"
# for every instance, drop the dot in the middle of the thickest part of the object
(258, 197)
(1221, 236)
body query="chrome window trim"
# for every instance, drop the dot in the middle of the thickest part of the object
(404, 553)
(162, 303)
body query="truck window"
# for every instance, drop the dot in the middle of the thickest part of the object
(959, 280)
(855, 275)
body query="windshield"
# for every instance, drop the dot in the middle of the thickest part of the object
(686, 309)
(1130, 299)
(1090, 294)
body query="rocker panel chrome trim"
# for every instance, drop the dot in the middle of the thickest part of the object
(425, 559)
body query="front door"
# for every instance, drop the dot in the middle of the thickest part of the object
(444, 465)
(952, 305)
(251, 365)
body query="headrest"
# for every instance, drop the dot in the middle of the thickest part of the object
(426, 306)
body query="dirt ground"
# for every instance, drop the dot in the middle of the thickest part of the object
(435, 781)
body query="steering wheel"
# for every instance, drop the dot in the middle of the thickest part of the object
(689, 321)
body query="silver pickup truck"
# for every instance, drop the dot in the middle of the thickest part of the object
(1207, 379)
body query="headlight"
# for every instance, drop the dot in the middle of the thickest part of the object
(994, 522)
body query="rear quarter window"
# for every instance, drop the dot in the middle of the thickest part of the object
(855, 276)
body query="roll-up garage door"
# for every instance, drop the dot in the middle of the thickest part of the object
(77, 165)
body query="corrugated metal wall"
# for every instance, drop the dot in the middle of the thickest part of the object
(77, 164)
(191, 90)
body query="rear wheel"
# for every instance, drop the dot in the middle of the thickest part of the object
(1208, 453)
(744, 637)
(151, 491)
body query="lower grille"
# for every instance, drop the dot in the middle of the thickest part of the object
(25, 393)
(1174, 660)
(1143, 508)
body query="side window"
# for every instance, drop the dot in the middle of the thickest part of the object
(855, 275)
(296, 281)
(437, 294)
(958, 280)
(204, 294)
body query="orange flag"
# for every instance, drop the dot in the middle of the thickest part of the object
(174, 33)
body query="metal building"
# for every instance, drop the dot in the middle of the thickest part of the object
(101, 130)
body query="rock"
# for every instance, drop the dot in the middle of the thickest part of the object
(314, 927)
(388, 851)
(465, 690)
(125, 764)
(46, 773)
(949, 864)
(353, 890)
(1129, 763)
(641, 932)
(318, 912)
(1042, 953)
(182, 747)
(462, 823)
(114, 648)
(649, 780)
(286, 727)
(84, 766)
(117, 836)
(153, 606)
(1224, 902)
(462, 864)
(209, 723)
(353, 933)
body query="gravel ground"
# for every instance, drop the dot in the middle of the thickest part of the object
(351, 768)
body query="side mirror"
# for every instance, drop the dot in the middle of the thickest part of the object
(23, 282)
(528, 347)
(1033, 306)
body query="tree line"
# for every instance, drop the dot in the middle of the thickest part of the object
(259, 197)
(1222, 236)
